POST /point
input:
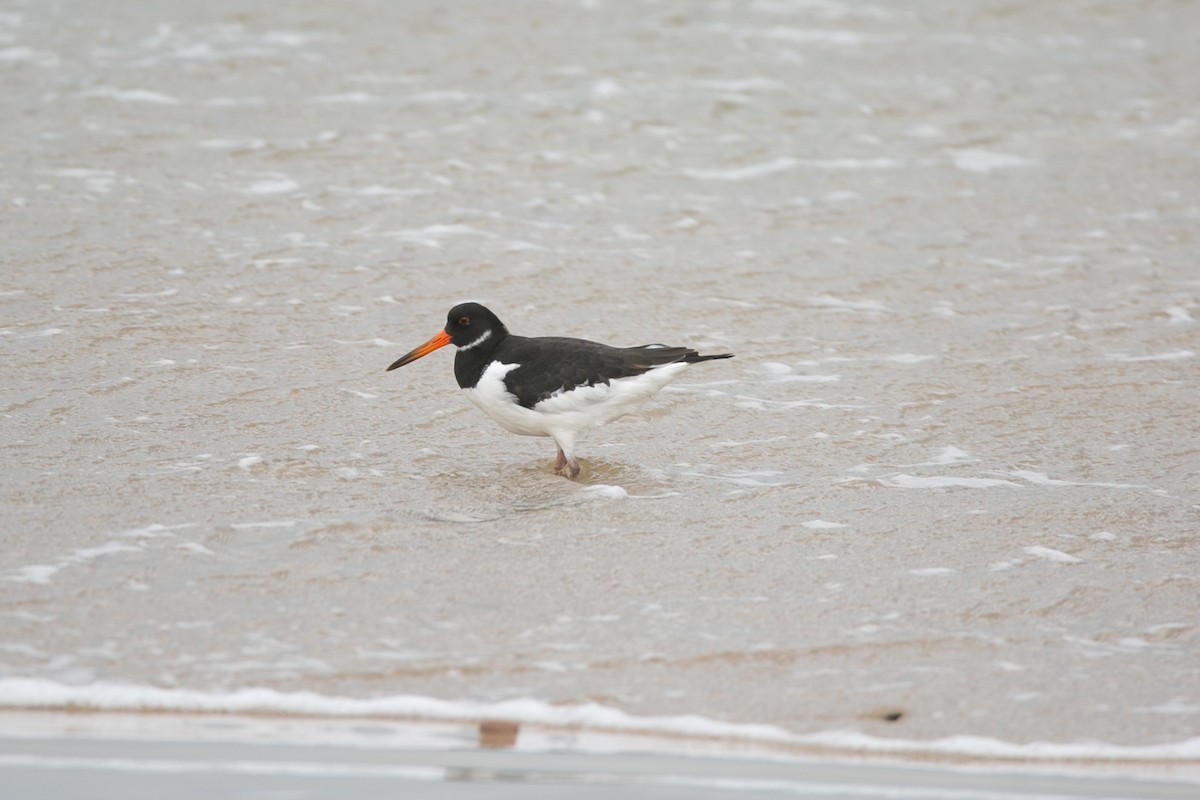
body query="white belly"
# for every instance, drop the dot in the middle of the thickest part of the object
(566, 413)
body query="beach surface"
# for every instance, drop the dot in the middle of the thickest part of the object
(944, 503)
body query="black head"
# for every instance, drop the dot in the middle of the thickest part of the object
(470, 324)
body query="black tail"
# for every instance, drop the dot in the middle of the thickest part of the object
(693, 357)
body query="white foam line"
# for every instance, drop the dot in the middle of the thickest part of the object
(1050, 554)
(947, 456)
(38, 693)
(905, 481)
(1171, 355)
(279, 185)
(130, 95)
(103, 696)
(786, 163)
(982, 746)
(841, 304)
(347, 97)
(822, 525)
(974, 159)
(743, 173)
(837, 37)
(1041, 479)
(165, 765)
(42, 573)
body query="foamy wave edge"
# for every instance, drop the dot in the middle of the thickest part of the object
(46, 695)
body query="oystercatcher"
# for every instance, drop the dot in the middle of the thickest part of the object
(551, 386)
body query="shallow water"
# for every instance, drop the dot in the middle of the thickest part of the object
(127, 756)
(950, 485)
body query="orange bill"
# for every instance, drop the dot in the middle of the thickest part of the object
(440, 340)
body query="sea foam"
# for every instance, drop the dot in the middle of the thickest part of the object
(41, 694)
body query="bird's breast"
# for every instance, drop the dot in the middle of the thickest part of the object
(493, 398)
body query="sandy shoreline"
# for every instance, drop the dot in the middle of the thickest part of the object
(940, 510)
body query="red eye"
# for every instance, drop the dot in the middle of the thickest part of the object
(464, 322)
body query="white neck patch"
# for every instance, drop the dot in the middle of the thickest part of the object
(486, 335)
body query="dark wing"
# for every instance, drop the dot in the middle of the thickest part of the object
(552, 364)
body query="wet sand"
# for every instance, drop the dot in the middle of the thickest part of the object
(948, 488)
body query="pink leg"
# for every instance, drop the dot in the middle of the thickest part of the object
(566, 460)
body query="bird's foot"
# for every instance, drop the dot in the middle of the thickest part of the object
(564, 460)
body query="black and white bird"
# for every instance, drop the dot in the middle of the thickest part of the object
(551, 386)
